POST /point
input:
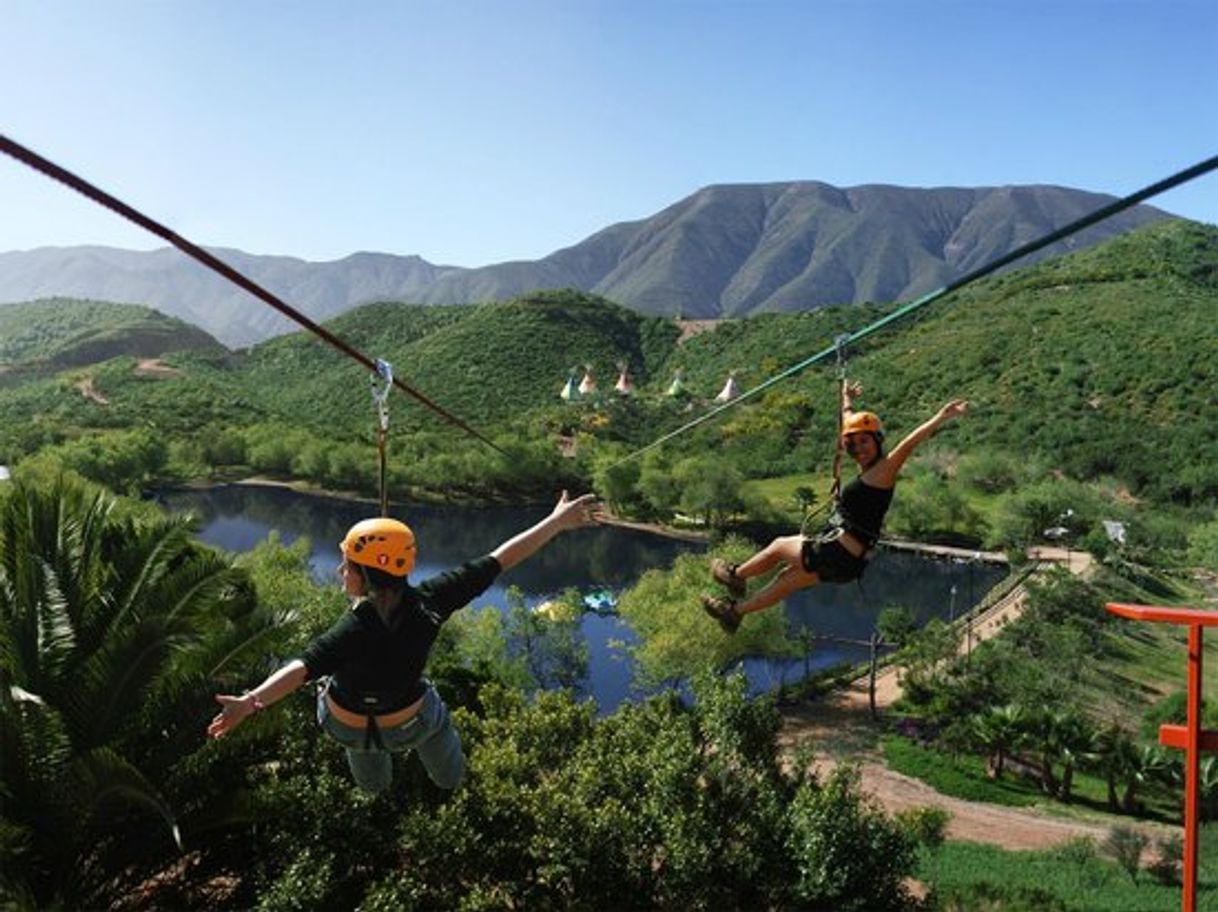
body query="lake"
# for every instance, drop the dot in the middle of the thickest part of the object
(237, 517)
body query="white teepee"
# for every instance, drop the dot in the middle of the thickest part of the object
(587, 386)
(624, 384)
(730, 389)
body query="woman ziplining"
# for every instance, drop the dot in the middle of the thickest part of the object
(838, 554)
(374, 699)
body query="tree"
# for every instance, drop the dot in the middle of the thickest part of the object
(999, 731)
(849, 855)
(926, 657)
(896, 624)
(1115, 755)
(617, 482)
(109, 627)
(677, 640)
(709, 488)
(553, 649)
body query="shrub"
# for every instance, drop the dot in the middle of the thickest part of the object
(849, 856)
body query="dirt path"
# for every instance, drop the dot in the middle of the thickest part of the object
(155, 367)
(89, 392)
(840, 727)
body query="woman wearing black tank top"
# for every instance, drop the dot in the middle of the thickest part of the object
(838, 554)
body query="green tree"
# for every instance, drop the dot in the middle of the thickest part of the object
(1203, 545)
(849, 855)
(676, 639)
(999, 731)
(618, 482)
(709, 488)
(552, 647)
(109, 628)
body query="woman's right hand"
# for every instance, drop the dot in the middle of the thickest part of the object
(233, 711)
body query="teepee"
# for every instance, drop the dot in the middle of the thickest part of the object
(587, 386)
(624, 384)
(730, 389)
(677, 387)
(570, 391)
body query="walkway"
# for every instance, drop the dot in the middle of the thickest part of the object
(840, 727)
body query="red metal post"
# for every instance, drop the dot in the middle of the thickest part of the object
(1190, 736)
(1192, 767)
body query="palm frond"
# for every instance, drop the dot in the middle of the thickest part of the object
(101, 776)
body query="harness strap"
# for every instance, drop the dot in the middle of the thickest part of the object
(380, 398)
(372, 733)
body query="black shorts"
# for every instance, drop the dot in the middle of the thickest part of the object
(830, 561)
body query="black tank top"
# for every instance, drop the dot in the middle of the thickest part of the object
(861, 510)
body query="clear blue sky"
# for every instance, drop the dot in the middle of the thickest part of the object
(471, 132)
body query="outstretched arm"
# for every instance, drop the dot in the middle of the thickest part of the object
(235, 710)
(903, 450)
(567, 514)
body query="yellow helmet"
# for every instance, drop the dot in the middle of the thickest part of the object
(382, 544)
(862, 423)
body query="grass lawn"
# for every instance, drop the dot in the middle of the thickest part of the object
(1076, 875)
(779, 492)
(964, 776)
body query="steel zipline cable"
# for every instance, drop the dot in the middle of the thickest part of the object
(1052, 237)
(55, 172)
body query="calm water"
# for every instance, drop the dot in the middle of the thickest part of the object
(236, 518)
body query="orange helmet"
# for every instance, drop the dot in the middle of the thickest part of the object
(382, 544)
(862, 423)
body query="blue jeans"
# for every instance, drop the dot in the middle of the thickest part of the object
(430, 732)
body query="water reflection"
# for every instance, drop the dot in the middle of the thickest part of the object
(238, 517)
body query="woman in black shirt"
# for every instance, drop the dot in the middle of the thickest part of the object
(375, 700)
(839, 553)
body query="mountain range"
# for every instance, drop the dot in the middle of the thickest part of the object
(727, 250)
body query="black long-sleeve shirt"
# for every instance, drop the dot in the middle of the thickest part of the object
(378, 667)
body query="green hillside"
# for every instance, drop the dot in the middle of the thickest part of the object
(1099, 364)
(490, 364)
(62, 332)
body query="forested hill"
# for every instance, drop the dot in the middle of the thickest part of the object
(725, 251)
(59, 332)
(1100, 362)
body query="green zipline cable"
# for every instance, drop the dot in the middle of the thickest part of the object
(1078, 225)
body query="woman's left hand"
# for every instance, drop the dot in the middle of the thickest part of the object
(578, 513)
(954, 409)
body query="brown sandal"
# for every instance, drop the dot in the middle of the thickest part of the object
(724, 574)
(722, 610)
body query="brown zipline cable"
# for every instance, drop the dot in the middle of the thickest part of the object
(53, 171)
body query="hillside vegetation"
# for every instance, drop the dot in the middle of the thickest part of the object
(1091, 379)
(60, 332)
(1099, 364)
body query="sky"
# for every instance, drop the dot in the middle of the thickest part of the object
(472, 132)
